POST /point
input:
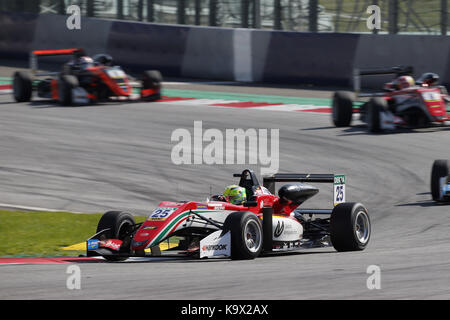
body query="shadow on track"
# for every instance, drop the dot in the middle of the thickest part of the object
(424, 204)
(8, 103)
(362, 130)
(182, 259)
(46, 105)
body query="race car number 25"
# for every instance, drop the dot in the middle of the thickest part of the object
(161, 214)
(339, 189)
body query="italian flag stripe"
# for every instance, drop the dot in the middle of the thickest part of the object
(172, 225)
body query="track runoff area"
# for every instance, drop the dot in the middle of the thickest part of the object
(175, 93)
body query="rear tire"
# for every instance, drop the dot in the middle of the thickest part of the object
(350, 227)
(22, 86)
(119, 224)
(374, 109)
(246, 235)
(439, 170)
(343, 108)
(65, 85)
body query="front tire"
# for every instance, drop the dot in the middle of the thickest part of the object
(350, 227)
(246, 235)
(119, 224)
(343, 108)
(66, 84)
(22, 86)
(439, 170)
(151, 82)
(374, 109)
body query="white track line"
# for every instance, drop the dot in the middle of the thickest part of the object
(28, 208)
(200, 82)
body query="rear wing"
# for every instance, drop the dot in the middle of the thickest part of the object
(338, 181)
(77, 52)
(397, 71)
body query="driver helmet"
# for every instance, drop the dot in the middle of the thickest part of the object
(235, 194)
(85, 62)
(428, 79)
(404, 82)
(103, 59)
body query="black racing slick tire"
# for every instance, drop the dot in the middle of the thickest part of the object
(342, 108)
(350, 227)
(119, 224)
(22, 86)
(374, 108)
(65, 85)
(151, 79)
(438, 171)
(246, 235)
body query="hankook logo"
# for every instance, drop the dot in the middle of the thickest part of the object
(279, 229)
(214, 247)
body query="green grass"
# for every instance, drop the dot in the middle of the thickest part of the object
(44, 234)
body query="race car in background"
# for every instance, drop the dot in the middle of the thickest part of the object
(266, 223)
(404, 102)
(440, 181)
(84, 80)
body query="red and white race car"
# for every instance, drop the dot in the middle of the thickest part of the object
(265, 223)
(84, 80)
(404, 102)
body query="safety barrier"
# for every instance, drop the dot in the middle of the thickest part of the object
(424, 53)
(320, 59)
(17, 33)
(228, 54)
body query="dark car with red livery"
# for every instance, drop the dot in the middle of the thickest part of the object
(404, 102)
(84, 80)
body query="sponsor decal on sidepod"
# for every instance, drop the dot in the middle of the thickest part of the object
(215, 245)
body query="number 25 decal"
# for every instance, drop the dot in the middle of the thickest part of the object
(161, 213)
(339, 192)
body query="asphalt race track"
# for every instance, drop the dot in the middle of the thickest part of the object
(118, 156)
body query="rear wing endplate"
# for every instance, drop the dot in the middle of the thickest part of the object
(338, 181)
